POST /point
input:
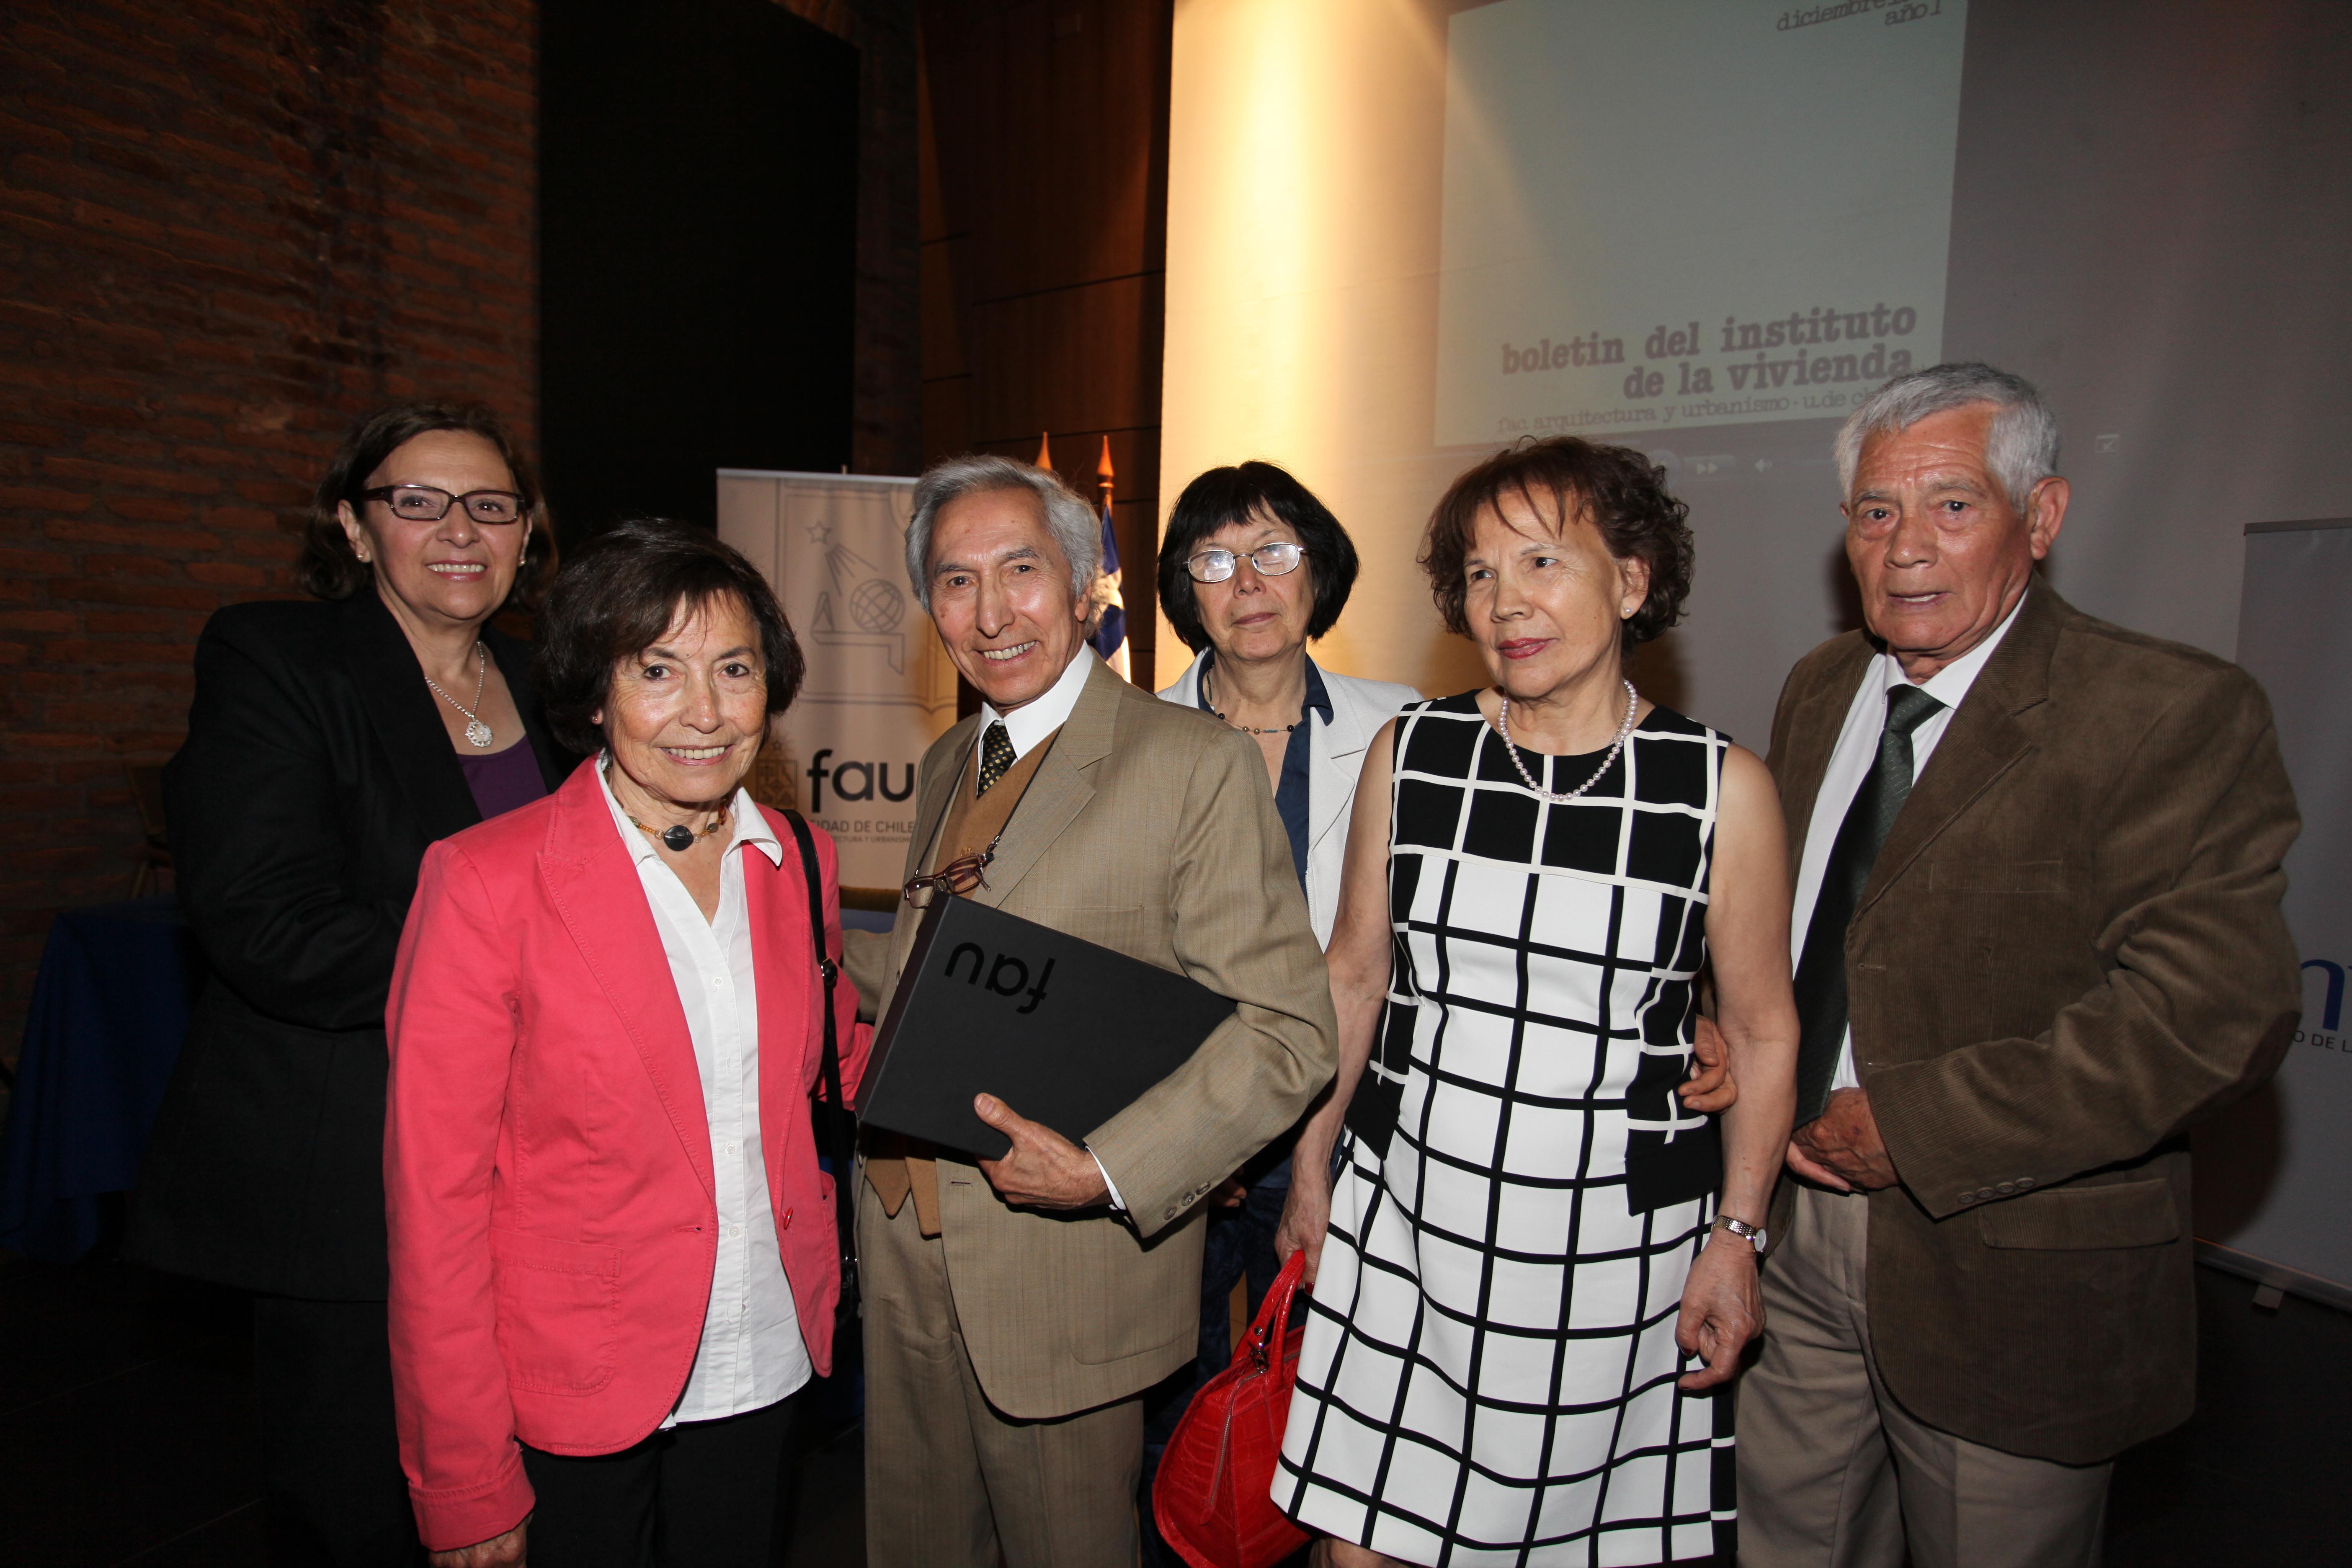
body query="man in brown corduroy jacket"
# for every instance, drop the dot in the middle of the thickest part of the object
(2037, 938)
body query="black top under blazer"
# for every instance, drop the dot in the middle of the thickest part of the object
(315, 773)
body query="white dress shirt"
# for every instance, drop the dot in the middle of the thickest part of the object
(1849, 763)
(1031, 722)
(751, 1353)
(1025, 727)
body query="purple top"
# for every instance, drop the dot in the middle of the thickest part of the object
(504, 780)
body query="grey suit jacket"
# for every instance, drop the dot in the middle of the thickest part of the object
(1150, 830)
(2069, 953)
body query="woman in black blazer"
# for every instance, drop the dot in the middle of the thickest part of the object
(328, 744)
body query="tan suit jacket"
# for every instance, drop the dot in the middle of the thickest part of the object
(2070, 952)
(1151, 830)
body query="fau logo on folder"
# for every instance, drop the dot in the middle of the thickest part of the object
(1063, 1031)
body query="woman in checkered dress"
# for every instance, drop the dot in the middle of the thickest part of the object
(1536, 1269)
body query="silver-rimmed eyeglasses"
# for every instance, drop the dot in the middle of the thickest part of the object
(427, 503)
(1276, 560)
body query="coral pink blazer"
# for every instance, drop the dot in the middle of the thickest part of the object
(546, 1160)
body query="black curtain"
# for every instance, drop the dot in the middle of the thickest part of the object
(698, 215)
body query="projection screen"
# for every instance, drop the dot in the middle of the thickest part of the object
(1402, 232)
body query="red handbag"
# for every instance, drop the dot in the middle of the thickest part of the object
(1212, 1498)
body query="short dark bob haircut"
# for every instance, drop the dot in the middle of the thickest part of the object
(327, 567)
(1234, 495)
(1619, 489)
(621, 592)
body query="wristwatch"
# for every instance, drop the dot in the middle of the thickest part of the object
(1753, 1234)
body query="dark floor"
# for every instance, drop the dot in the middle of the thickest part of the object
(125, 1436)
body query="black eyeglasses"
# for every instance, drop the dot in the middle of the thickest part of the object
(1276, 560)
(427, 503)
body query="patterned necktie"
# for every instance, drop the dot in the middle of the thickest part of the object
(1821, 972)
(995, 757)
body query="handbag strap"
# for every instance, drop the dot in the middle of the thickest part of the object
(1272, 1329)
(829, 1065)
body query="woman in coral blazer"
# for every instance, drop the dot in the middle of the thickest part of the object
(614, 1257)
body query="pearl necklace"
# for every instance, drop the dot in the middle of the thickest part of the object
(1503, 722)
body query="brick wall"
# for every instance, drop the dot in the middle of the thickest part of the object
(226, 230)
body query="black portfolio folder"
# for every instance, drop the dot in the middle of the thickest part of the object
(1063, 1031)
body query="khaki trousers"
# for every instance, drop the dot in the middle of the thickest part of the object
(1833, 1473)
(950, 1481)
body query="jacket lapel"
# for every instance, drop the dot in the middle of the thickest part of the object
(1335, 758)
(1983, 741)
(593, 884)
(1059, 791)
(941, 764)
(401, 708)
(1804, 734)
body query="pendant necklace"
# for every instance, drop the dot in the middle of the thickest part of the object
(680, 837)
(1503, 723)
(476, 732)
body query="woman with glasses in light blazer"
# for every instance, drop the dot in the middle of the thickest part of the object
(1254, 568)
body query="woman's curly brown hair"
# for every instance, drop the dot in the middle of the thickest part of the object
(1619, 489)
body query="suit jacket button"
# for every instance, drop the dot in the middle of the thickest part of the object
(2006, 1188)
(2024, 1182)
(1966, 1198)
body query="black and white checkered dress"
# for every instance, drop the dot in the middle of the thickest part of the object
(1489, 1367)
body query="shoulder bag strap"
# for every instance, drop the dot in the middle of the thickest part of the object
(831, 1138)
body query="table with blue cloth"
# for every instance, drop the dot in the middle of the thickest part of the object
(109, 1012)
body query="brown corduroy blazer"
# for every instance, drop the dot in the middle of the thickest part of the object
(1149, 828)
(2069, 953)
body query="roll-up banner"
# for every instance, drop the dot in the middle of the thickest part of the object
(2274, 1173)
(879, 689)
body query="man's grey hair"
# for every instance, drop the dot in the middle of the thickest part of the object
(2021, 448)
(1074, 523)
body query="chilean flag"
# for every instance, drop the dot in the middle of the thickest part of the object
(1110, 636)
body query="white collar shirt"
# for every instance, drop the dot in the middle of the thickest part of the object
(1034, 721)
(1849, 763)
(751, 1353)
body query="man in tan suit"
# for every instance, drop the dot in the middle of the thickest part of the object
(1016, 1309)
(2037, 938)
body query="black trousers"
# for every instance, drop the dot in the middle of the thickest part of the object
(332, 1487)
(704, 1494)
